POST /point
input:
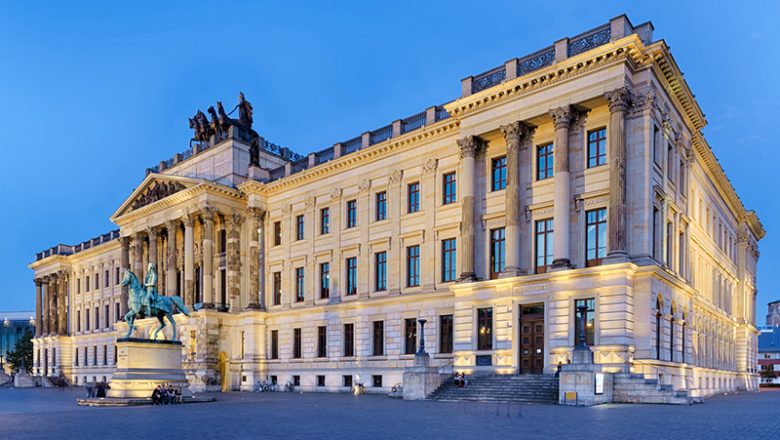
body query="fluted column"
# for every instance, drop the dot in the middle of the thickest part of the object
(50, 296)
(616, 216)
(561, 211)
(170, 259)
(152, 234)
(189, 260)
(513, 134)
(138, 250)
(470, 148)
(234, 261)
(38, 306)
(207, 214)
(255, 218)
(124, 263)
(62, 313)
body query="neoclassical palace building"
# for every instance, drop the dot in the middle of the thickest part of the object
(574, 176)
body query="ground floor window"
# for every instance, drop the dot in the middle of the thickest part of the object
(590, 320)
(347, 381)
(410, 333)
(320, 381)
(485, 329)
(376, 381)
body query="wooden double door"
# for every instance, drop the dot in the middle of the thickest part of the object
(531, 339)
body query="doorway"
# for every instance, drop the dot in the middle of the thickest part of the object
(531, 339)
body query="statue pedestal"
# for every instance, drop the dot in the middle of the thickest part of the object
(583, 383)
(143, 364)
(422, 379)
(22, 379)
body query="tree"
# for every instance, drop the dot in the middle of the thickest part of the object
(22, 352)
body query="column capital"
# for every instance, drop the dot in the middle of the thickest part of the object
(515, 132)
(38, 282)
(235, 219)
(429, 166)
(207, 213)
(335, 193)
(257, 213)
(188, 220)
(470, 146)
(395, 176)
(561, 116)
(618, 99)
(124, 241)
(151, 232)
(62, 275)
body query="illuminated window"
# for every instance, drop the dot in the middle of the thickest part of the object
(497, 252)
(485, 329)
(590, 320)
(410, 336)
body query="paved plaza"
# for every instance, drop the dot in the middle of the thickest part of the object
(51, 414)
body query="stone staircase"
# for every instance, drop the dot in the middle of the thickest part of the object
(529, 388)
(635, 388)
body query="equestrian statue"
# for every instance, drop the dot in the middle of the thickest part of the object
(143, 301)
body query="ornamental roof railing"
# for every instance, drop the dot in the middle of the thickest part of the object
(67, 249)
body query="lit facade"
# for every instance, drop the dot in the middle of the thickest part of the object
(577, 175)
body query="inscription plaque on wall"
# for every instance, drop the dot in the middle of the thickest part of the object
(484, 360)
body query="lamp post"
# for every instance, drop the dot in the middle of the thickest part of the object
(581, 340)
(421, 350)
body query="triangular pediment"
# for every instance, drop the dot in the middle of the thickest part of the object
(155, 187)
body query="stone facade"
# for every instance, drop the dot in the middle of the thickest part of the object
(313, 270)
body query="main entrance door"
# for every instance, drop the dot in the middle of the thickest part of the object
(532, 339)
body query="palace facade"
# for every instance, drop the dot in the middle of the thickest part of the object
(577, 175)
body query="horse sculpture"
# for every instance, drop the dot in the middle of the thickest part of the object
(162, 308)
(200, 124)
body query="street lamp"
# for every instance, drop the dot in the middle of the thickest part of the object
(581, 339)
(421, 351)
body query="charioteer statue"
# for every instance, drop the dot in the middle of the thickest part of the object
(221, 122)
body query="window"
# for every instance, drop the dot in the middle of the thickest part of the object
(322, 341)
(105, 279)
(299, 284)
(97, 318)
(597, 147)
(669, 236)
(117, 313)
(349, 340)
(105, 355)
(485, 329)
(656, 235)
(413, 197)
(78, 285)
(296, 380)
(351, 276)
(78, 320)
(300, 227)
(544, 162)
(324, 220)
(413, 266)
(320, 380)
(347, 380)
(410, 336)
(448, 260)
(544, 244)
(274, 344)
(656, 145)
(378, 339)
(352, 213)
(86, 319)
(116, 276)
(94, 355)
(590, 320)
(450, 189)
(380, 271)
(106, 318)
(97, 281)
(296, 352)
(445, 334)
(682, 176)
(76, 357)
(381, 205)
(596, 236)
(86, 283)
(277, 234)
(670, 162)
(324, 280)
(498, 173)
(223, 239)
(658, 330)
(277, 288)
(376, 381)
(497, 252)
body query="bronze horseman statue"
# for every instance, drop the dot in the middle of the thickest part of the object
(143, 301)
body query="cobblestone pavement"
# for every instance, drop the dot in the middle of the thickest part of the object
(51, 414)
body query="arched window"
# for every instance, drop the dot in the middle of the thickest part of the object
(671, 334)
(684, 321)
(658, 333)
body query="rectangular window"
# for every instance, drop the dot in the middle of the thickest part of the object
(347, 380)
(76, 358)
(450, 189)
(116, 276)
(277, 233)
(324, 280)
(497, 252)
(97, 281)
(485, 329)
(277, 288)
(446, 334)
(590, 320)
(656, 236)
(105, 279)
(322, 341)
(324, 220)
(597, 147)
(97, 318)
(117, 315)
(378, 338)
(682, 176)
(669, 238)
(351, 276)
(413, 266)
(78, 320)
(352, 213)
(544, 244)
(94, 355)
(320, 380)
(349, 340)
(223, 240)
(410, 336)
(86, 319)
(413, 197)
(105, 355)
(670, 162)
(106, 318)
(296, 380)
(296, 352)
(498, 173)
(544, 162)
(380, 271)
(78, 285)
(300, 227)
(299, 284)
(449, 257)
(86, 283)
(595, 236)
(376, 381)
(657, 145)
(274, 344)
(381, 206)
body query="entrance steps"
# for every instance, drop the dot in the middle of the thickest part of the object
(529, 388)
(635, 388)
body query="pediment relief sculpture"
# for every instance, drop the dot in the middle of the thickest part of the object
(156, 191)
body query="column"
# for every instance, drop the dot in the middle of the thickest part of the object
(45, 305)
(152, 234)
(513, 134)
(254, 218)
(62, 313)
(261, 259)
(124, 263)
(51, 297)
(170, 262)
(189, 260)
(38, 306)
(365, 201)
(138, 250)
(234, 261)
(470, 148)
(616, 215)
(561, 211)
(207, 215)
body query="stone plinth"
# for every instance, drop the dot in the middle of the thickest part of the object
(421, 380)
(583, 383)
(22, 379)
(143, 364)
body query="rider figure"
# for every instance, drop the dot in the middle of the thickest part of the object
(150, 280)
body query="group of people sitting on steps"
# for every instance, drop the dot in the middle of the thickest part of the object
(163, 395)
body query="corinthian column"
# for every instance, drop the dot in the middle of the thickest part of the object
(513, 134)
(207, 214)
(45, 301)
(170, 262)
(470, 148)
(152, 233)
(255, 219)
(562, 119)
(138, 250)
(616, 245)
(62, 313)
(124, 263)
(189, 260)
(234, 261)
(51, 296)
(38, 306)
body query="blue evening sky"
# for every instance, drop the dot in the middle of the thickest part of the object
(93, 93)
